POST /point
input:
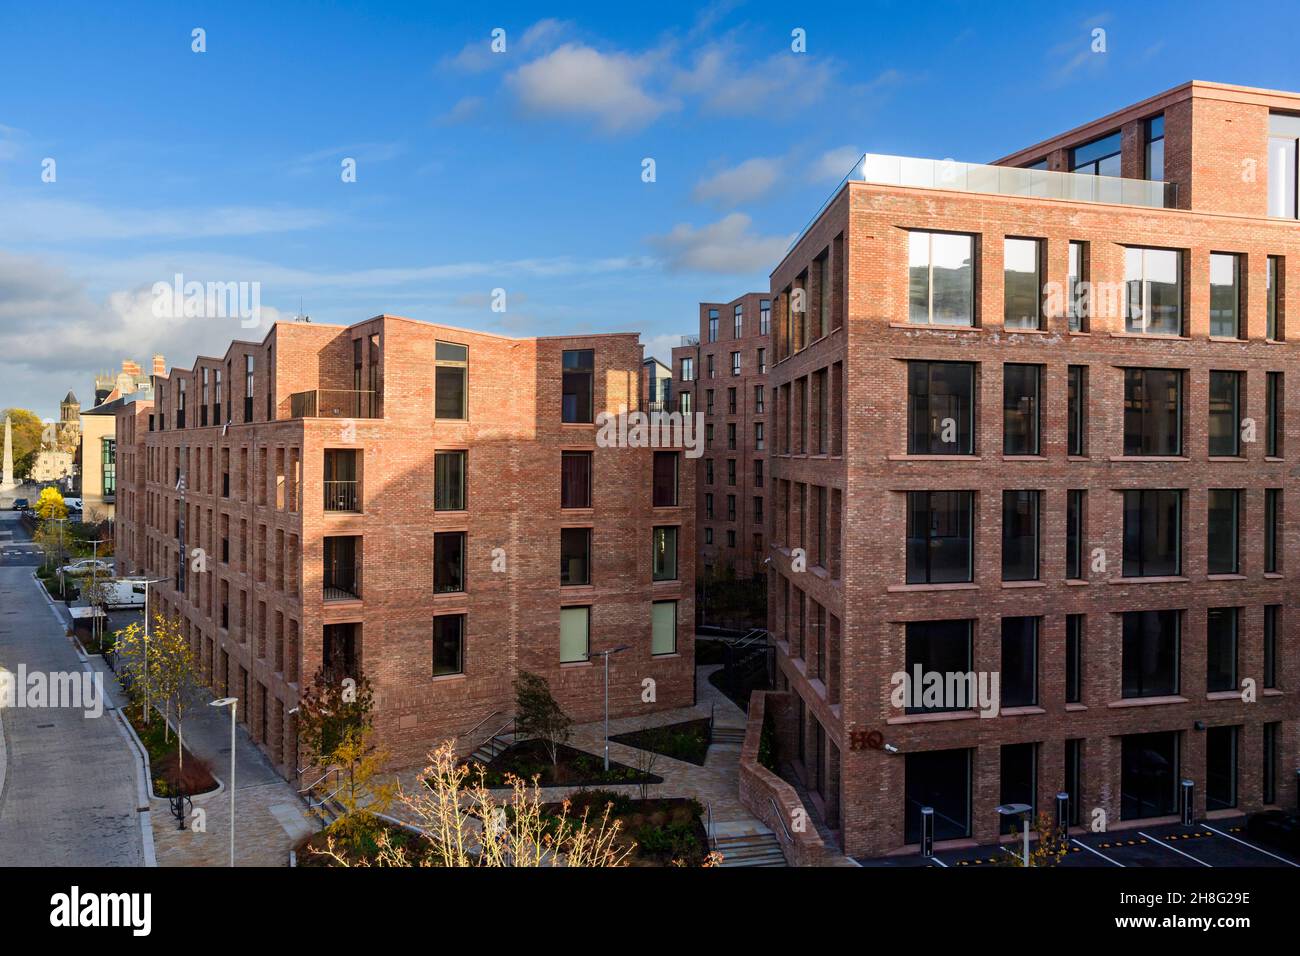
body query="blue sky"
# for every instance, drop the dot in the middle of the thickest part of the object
(518, 170)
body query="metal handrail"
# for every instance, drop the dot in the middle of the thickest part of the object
(780, 818)
(314, 784)
(479, 724)
(713, 842)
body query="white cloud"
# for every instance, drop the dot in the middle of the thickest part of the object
(739, 184)
(464, 109)
(728, 83)
(726, 246)
(833, 165)
(328, 159)
(577, 80)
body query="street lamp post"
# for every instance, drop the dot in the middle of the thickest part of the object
(94, 583)
(1009, 811)
(233, 704)
(605, 654)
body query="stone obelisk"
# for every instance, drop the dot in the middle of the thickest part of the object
(7, 480)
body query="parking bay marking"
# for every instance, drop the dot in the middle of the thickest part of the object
(1252, 846)
(1166, 845)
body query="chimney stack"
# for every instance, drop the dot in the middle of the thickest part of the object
(159, 366)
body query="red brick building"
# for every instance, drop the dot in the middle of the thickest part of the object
(723, 373)
(427, 505)
(1034, 423)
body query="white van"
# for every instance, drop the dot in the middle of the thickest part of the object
(124, 593)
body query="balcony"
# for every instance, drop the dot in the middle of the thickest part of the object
(910, 172)
(342, 581)
(342, 495)
(334, 403)
(689, 340)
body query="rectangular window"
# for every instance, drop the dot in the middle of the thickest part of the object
(1274, 330)
(1149, 775)
(731, 401)
(708, 365)
(941, 278)
(1272, 734)
(1221, 649)
(758, 399)
(758, 436)
(1150, 653)
(761, 361)
(248, 388)
(1021, 408)
(938, 646)
(688, 370)
(1097, 158)
(1074, 658)
(764, 316)
(665, 479)
(940, 779)
(575, 479)
(1225, 414)
(575, 623)
(1020, 535)
(940, 408)
(663, 627)
(1223, 531)
(713, 325)
(731, 512)
(575, 556)
(1153, 282)
(1272, 614)
(731, 471)
(1078, 303)
(451, 381)
(578, 399)
(1074, 777)
(1272, 530)
(1018, 766)
(1283, 152)
(1153, 412)
(1075, 501)
(1273, 405)
(1022, 295)
(708, 506)
(448, 644)
(1220, 768)
(448, 562)
(449, 480)
(1078, 410)
(1153, 533)
(737, 324)
(1019, 661)
(1155, 148)
(1225, 295)
(735, 363)
(939, 535)
(665, 553)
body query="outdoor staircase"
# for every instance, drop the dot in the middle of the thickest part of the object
(492, 747)
(750, 849)
(728, 736)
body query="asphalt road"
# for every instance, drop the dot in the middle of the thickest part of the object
(68, 792)
(16, 547)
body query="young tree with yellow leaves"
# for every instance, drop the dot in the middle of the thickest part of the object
(49, 506)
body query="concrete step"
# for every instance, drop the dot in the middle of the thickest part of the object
(728, 735)
(752, 849)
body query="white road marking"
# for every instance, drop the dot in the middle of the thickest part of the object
(1166, 845)
(1251, 845)
(1097, 852)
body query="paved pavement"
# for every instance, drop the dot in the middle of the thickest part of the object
(70, 794)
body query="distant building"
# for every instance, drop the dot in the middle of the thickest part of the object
(658, 385)
(96, 463)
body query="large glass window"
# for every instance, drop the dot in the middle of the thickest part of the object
(665, 553)
(1077, 412)
(1021, 289)
(448, 644)
(940, 408)
(1222, 531)
(575, 625)
(1225, 295)
(1272, 735)
(1153, 411)
(713, 325)
(1149, 774)
(941, 278)
(939, 527)
(1153, 533)
(1020, 535)
(1074, 658)
(1272, 613)
(1225, 414)
(575, 479)
(1153, 281)
(1098, 158)
(1273, 299)
(663, 627)
(1221, 649)
(579, 384)
(451, 381)
(1019, 661)
(665, 479)
(1019, 774)
(1021, 409)
(448, 561)
(1155, 148)
(1220, 768)
(1078, 303)
(1151, 653)
(1074, 511)
(764, 316)
(1272, 529)
(942, 647)
(575, 556)
(1273, 406)
(449, 480)
(1283, 140)
(940, 779)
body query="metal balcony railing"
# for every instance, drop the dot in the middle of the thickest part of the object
(342, 495)
(909, 171)
(688, 340)
(342, 581)
(334, 403)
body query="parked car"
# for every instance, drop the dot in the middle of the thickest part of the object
(87, 565)
(1276, 827)
(72, 504)
(124, 593)
(21, 504)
